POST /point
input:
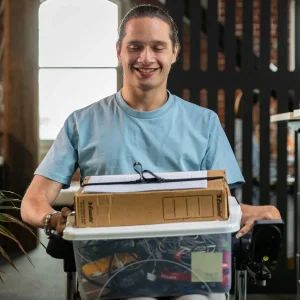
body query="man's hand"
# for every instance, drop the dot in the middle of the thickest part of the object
(58, 221)
(253, 213)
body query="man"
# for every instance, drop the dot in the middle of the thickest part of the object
(143, 122)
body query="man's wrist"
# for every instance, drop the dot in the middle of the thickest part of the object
(50, 224)
(54, 220)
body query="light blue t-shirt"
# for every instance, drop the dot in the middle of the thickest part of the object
(107, 137)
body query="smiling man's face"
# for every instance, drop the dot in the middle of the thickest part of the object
(146, 54)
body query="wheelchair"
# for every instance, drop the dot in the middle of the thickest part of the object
(252, 254)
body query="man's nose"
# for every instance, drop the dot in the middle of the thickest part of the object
(146, 56)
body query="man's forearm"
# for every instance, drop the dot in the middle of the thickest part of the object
(37, 201)
(252, 213)
(33, 211)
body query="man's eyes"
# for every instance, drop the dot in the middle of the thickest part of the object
(134, 47)
(138, 48)
(159, 48)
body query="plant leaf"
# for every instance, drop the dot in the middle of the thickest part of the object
(10, 207)
(4, 231)
(11, 219)
(1, 277)
(8, 218)
(8, 258)
(3, 192)
(3, 218)
(2, 200)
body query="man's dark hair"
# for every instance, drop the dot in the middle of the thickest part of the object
(150, 11)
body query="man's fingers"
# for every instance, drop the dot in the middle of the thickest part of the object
(245, 229)
(61, 223)
(60, 228)
(65, 212)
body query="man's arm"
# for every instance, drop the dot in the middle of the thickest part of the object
(37, 201)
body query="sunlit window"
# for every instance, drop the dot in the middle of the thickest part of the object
(77, 58)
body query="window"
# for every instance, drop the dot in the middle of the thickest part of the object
(77, 59)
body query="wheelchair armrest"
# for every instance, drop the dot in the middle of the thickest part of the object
(254, 251)
(266, 240)
(59, 248)
(262, 244)
(62, 249)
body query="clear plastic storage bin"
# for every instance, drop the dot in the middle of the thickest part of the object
(154, 260)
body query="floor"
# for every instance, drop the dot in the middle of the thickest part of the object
(46, 280)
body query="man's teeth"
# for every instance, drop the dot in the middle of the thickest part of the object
(146, 70)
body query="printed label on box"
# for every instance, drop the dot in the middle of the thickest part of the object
(207, 266)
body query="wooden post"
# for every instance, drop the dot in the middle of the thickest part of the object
(20, 100)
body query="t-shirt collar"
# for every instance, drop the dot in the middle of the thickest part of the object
(145, 114)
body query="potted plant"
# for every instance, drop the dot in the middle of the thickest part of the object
(11, 201)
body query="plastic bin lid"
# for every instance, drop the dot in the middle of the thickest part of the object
(157, 230)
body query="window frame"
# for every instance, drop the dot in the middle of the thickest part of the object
(45, 145)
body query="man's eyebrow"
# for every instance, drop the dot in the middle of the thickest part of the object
(160, 42)
(133, 42)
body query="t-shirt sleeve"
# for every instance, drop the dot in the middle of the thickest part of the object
(219, 154)
(61, 161)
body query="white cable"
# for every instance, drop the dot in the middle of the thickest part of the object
(190, 244)
(89, 260)
(163, 260)
(151, 254)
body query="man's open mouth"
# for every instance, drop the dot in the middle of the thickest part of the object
(146, 71)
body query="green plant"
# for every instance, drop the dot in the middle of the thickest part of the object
(8, 201)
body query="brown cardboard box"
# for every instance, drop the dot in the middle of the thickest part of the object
(153, 207)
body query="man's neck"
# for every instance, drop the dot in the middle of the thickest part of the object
(145, 100)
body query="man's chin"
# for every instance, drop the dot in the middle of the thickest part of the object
(149, 84)
(147, 87)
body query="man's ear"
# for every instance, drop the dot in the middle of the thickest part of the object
(118, 49)
(175, 53)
